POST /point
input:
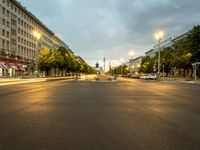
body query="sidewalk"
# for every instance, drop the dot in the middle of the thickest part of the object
(14, 81)
(180, 80)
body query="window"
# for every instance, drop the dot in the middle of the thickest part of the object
(13, 42)
(4, 22)
(3, 10)
(8, 13)
(13, 32)
(7, 34)
(7, 24)
(3, 32)
(3, 43)
(8, 4)
(7, 44)
(13, 22)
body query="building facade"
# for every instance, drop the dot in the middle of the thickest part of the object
(18, 47)
(163, 44)
(135, 64)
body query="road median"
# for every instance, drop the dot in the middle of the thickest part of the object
(4, 82)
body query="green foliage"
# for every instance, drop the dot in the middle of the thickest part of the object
(148, 65)
(168, 59)
(181, 54)
(62, 59)
(193, 43)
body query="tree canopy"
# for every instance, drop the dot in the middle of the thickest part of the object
(181, 54)
(63, 60)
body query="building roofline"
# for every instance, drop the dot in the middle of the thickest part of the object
(149, 51)
(180, 36)
(22, 8)
(136, 58)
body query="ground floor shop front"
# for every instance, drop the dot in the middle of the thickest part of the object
(13, 69)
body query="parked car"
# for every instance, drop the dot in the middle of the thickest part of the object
(129, 75)
(153, 76)
(145, 76)
(135, 76)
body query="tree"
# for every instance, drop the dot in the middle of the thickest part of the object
(193, 43)
(147, 65)
(44, 61)
(168, 59)
(62, 59)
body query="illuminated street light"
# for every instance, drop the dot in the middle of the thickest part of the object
(159, 35)
(131, 54)
(37, 36)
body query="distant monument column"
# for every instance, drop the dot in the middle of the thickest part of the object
(104, 64)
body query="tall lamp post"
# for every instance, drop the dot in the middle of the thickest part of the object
(104, 64)
(159, 36)
(37, 36)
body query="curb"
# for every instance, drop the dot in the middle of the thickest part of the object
(55, 79)
(176, 81)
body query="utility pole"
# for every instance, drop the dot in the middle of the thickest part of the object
(110, 68)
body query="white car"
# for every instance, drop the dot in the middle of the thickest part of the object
(153, 76)
(145, 76)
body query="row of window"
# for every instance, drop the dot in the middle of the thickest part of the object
(5, 23)
(23, 16)
(23, 20)
(26, 34)
(16, 11)
(26, 52)
(5, 44)
(26, 42)
(20, 40)
(21, 50)
(5, 33)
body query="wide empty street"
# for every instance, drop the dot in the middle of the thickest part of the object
(86, 115)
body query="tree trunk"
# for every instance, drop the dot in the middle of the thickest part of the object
(62, 72)
(184, 72)
(167, 73)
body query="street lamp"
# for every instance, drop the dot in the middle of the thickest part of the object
(37, 36)
(159, 36)
(131, 54)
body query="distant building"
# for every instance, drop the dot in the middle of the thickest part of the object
(180, 37)
(135, 64)
(150, 53)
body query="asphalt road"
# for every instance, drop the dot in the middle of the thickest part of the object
(83, 115)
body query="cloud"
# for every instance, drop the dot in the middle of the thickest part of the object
(94, 29)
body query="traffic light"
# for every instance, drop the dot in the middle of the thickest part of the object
(97, 65)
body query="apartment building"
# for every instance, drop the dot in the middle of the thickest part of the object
(135, 64)
(18, 47)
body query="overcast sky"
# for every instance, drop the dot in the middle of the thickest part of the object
(112, 28)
